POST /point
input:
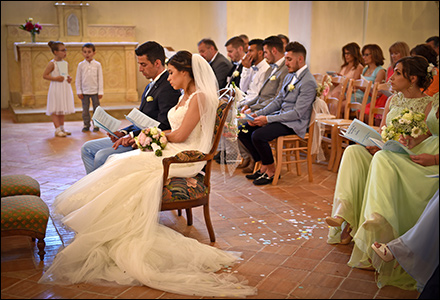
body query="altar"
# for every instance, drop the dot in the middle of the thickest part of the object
(29, 89)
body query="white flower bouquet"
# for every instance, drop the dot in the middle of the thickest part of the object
(408, 123)
(152, 139)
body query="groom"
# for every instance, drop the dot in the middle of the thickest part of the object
(157, 99)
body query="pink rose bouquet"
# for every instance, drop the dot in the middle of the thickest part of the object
(152, 139)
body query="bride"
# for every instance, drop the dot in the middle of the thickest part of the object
(114, 210)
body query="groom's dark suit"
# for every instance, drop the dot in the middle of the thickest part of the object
(156, 104)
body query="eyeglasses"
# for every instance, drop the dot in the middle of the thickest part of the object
(347, 53)
(366, 54)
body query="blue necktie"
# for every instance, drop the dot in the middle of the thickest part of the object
(150, 86)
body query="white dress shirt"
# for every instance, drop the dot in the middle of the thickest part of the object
(89, 79)
(252, 80)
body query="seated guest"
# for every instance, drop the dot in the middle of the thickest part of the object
(235, 49)
(397, 51)
(157, 99)
(427, 52)
(373, 70)
(219, 63)
(252, 78)
(285, 39)
(254, 70)
(379, 195)
(352, 66)
(417, 250)
(245, 39)
(433, 41)
(288, 113)
(273, 81)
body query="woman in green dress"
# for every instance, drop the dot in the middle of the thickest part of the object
(379, 195)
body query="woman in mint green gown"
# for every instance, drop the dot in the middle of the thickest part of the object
(381, 196)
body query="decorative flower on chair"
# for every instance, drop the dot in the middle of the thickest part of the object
(323, 89)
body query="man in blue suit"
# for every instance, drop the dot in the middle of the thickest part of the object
(157, 99)
(289, 113)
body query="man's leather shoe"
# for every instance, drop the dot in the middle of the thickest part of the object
(244, 163)
(255, 175)
(263, 179)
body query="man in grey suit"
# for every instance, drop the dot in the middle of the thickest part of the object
(289, 113)
(273, 50)
(219, 63)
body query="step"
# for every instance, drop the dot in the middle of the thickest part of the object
(38, 114)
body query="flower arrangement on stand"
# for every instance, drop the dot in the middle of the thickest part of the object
(408, 123)
(32, 28)
(152, 139)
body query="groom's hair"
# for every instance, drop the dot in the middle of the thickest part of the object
(154, 51)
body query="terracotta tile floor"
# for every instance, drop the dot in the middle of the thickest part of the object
(279, 229)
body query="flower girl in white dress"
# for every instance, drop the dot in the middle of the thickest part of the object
(115, 209)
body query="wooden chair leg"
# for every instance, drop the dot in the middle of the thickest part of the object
(189, 216)
(279, 159)
(297, 156)
(333, 150)
(338, 154)
(41, 244)
(208, 223)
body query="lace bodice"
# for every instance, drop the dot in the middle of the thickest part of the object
(432, 120)
(399, 102)
(176, 116)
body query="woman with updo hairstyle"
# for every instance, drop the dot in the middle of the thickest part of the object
(429, 53)
(380, 194)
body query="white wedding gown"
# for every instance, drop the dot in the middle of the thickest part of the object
(114, 212)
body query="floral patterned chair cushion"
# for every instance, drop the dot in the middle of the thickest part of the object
(12, 185)
(183, 189)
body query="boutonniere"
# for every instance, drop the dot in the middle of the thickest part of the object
(235, 74)
(273, 78)
(290, 87)
(149, 98)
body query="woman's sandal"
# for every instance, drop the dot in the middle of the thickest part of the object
(383, 251)
(334, 222)
(348, 238)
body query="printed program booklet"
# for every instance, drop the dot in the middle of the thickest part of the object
(62, 67)
(105, 121)
(141, 120)
(361, 133)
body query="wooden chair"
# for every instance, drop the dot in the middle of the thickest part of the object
(320, 78)
(292, 145)
(185, 193)
(330, 125)
(353, 110)
(373, 109)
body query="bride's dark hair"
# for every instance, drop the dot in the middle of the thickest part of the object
(182, 62)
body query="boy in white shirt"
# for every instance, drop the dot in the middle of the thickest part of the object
(89, 84)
